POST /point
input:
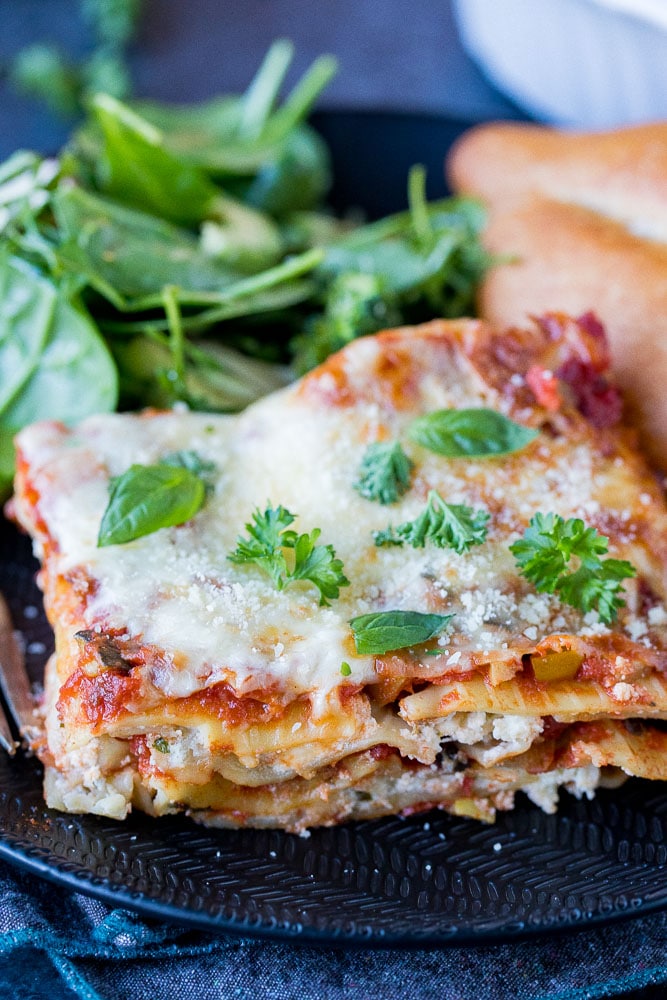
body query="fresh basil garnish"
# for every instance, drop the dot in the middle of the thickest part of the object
(382, 631)
(146, 498)
(472, 432)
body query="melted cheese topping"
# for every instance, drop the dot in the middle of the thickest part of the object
(177, 590)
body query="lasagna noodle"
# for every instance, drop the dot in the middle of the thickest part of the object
(184, 682)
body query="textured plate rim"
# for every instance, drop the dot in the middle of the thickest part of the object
(122, 897)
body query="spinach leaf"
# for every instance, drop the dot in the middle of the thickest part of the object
(205, 135)
(146, 498)
(25, 179)
(382, 631)
(131, 252)
(43, 72)
(296, 178)
(356, 304)
(263, 154)
(53, 362)
(405, 268)
(215, 377)
(137, 167)
(470, 432)
(27, 305)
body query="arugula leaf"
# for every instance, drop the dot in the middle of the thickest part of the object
(544, 555)
(146, 498)
(405, 268)
(475, 433)
(384, 473)
(355, 304)
(382, 631)
(270, 539)
(447, 526)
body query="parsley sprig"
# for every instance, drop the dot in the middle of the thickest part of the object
(445, 525)
(384, 473)
(564, 557)
(288, 556)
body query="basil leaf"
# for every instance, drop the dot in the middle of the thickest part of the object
(473, 432)
(383, 631)
(149, 497)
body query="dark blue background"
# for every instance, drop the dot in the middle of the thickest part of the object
(393, 54)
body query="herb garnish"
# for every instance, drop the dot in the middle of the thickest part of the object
(146, 498)
(384, 473)
(382, 631)
(345, 669)
(545, 556)
(271, 542)
(474, 433)
(187, 458)
(445, 525)
(161, 744)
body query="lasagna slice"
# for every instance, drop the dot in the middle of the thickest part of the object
(345, 627)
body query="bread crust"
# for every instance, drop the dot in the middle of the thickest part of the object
(580, 221)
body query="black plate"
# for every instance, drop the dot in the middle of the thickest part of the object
(430, 879)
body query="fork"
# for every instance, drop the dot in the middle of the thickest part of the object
(15, 687)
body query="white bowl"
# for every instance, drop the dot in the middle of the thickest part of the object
(580, 63)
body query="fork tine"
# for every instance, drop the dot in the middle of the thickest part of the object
(6, 740)
(14, 682)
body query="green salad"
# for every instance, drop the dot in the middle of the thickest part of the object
(186, 253)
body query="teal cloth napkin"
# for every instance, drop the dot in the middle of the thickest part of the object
(55, 944)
